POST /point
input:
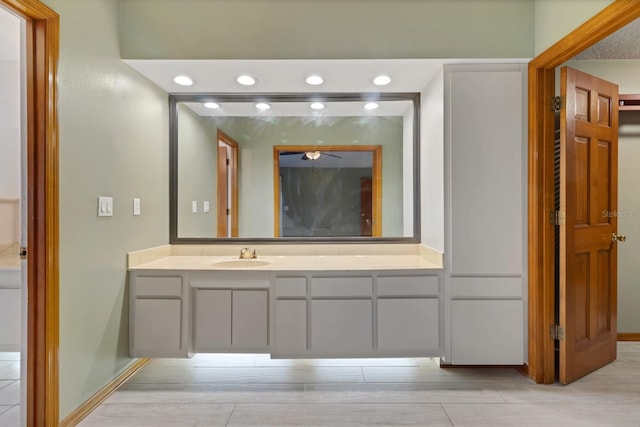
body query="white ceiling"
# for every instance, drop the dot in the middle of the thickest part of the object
(288, 76)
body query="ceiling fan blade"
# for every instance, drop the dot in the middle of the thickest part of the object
(289, 153)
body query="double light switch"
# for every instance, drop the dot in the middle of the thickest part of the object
(105, 206)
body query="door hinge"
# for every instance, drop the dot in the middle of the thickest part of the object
(556, 332)
(23, 252)
(227, 161)
(228, 211)
(558, 217)
(556, 103)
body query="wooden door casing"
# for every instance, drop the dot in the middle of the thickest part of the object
(588, 196)
(223, 207)
(228, 216)
(366, 207)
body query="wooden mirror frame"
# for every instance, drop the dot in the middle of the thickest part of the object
(376, 178)
(542, 299)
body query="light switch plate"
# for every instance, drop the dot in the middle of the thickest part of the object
(205, 206)
(194, 207)
(105, 206)
(136, 206)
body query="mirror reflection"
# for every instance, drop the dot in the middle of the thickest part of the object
(329, 192)
(285, 170)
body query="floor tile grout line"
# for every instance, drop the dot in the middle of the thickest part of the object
(230, 414)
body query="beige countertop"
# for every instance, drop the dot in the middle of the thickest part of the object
(290, 263)
(281, 258)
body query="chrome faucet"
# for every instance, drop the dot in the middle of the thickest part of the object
(246, 254)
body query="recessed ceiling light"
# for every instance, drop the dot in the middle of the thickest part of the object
(262, 106)
(211, 105)
(314, 80)
(183, 80)
(381, 80)
(246, 80)
(370, 106)
(316, 105)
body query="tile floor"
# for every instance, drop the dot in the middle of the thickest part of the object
(253, 390)
(9, 389)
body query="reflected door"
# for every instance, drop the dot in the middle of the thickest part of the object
(227, 186)
(366, 213)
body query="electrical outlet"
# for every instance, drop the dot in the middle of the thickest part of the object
(136, 206)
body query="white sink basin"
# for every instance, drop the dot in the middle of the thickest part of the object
(240, 263)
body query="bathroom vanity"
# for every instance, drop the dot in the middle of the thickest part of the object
(318, 303)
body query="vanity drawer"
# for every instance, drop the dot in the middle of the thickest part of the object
(408, 286)
(341, 286)
(147, 286)
(291, 287)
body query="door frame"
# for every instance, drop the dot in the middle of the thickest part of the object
(541, 361)
(42, 46)
(376, 180)
(233, 164)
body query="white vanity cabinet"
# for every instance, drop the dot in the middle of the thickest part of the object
(485, 214)
(341, 315)
(158, 316)
(230, 312)
(377, 314)
(297, 312)
(408, 315)
(230, 320)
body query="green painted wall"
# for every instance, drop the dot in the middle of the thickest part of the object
(554, 19)
(113, 142)
(335, 29)
(197, 170)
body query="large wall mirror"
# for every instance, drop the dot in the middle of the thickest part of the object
(294, 167)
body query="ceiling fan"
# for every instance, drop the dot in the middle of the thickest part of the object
(308, 155)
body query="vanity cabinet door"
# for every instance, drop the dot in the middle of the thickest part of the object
(290, 328)
(158, 328)
(249, 320)
(408, 325)
(341, 327)
(212, 319)
(230, 320)
(158, 321)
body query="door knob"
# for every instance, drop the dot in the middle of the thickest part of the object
(618, 238)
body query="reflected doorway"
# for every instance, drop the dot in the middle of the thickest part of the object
(327, 191)
(227, 186)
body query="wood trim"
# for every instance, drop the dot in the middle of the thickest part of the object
(276, 191)
(541, 125)
(42, 49)
(235, 196)
(376, 181)
(376, 192)
(94, 401)
(628, 336)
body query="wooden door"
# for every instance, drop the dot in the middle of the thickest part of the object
(227, 186)
(588, 197)
(366, 207)
(223, 207)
